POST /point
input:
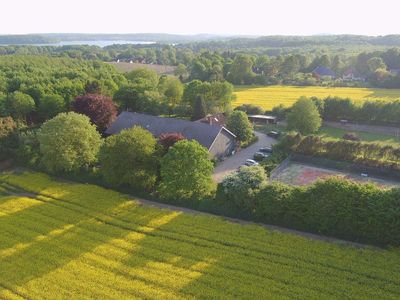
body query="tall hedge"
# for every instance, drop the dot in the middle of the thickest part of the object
(334, 207)
(368, 154)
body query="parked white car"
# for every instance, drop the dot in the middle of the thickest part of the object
(251, 162)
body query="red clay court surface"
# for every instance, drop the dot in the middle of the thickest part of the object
(302, 174)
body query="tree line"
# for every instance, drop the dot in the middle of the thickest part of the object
(36, 88)
(378, 68)
(336, 109)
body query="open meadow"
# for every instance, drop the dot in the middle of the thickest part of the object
(61, 240)
(270, 96)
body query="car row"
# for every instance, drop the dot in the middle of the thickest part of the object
(259, 156)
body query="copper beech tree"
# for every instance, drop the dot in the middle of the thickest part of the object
(100, 109)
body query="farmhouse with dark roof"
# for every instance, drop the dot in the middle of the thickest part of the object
(217, 139)
(320, 72)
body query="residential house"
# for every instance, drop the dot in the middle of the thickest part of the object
(353, 75)
(323, 72)
(216, 119)
(217, 139)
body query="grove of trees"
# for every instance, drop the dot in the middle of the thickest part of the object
(288, 60)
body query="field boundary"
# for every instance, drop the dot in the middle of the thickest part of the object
(15, 190)
(309, 235)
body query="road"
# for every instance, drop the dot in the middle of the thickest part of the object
(232, 163)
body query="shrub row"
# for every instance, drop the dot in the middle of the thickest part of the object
(369, 154)
(335, 207)
(375, 112)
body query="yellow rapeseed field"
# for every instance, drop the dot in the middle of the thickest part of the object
(61, 240)
(270, 96)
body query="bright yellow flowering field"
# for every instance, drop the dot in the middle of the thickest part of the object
(61, 240)
(270, 96)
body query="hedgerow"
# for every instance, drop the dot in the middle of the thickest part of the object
(369, 154)
(334, 207)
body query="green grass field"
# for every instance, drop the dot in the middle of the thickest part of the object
(337, 133)
(270, 96)
(61, 240)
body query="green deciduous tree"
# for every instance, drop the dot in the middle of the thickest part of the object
(375, 63)
(241, 70)
(239, 124)
(8, 137)
(68, 142)
(304, 116)
(130, 158)
(143, 76)
(19, 105)
(172, 89)
(50, 106)
(186, 172)
(199, 109)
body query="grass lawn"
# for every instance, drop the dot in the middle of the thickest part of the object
(270, 96)
(332, 132)
(61, 240)
(364, 136)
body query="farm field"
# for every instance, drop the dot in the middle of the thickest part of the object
(270, 96)
(126, 67)
(61, 240)
(303, 174)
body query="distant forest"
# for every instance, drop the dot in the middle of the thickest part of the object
(347, 60)
(211, 40)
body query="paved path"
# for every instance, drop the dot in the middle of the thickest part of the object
(232, 163)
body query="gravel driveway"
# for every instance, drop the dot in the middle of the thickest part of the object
(230, 164)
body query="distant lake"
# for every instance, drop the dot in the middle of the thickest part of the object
(99, 43)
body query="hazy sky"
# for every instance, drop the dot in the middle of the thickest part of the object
(255, 17)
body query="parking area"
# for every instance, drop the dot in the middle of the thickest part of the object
(232, 163)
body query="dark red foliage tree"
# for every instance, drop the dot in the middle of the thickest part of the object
(167, 140)
(100, 109)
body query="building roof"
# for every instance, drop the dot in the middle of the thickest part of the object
(263, 117)
(395, 71)
(205, 134)
(217, 119)
(323, 71)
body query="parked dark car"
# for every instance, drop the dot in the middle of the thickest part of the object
(274, 134)
(259, 156)
(265, 150)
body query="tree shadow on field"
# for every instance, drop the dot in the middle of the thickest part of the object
(75, 232)
(44, 237)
